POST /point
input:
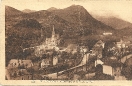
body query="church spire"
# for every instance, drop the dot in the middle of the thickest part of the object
(53, 32)
(53, 27)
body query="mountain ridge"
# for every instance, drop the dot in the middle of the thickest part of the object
(78, 15)
(114, 22)
(10, 11)
(28, 11)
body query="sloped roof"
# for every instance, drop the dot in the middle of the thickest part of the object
(111, 62)
(72, 46)
(129, 61)
(98, 44)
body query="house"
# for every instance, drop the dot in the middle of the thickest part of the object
(97, 48)
(14, 63)
(72, 48)
(112, 66)
(55, 60)
(98, 61)
(123, 43)
(107, 33)
(120, 44)
(113, 70)
(50, 61)
(83, 49)
(45, 63)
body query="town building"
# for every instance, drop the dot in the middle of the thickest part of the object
(53, 41)
(112, 66)
(48, 44)
(50, 61)
(83, 49)
(120, 44)
(45, 63)
(55, 60)
(98, 61)
(14, 63)
(107, 33)
(72, 48)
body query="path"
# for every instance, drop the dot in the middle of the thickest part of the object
(125, 58)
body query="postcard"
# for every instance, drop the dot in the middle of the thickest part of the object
(66, 42)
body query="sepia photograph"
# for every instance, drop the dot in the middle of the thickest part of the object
(68, 40)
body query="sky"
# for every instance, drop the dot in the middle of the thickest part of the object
(118, 8)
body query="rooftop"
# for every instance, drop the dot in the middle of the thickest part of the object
(112, 61)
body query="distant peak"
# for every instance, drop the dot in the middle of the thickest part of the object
(28, 11)
(12, 11)
(52, 8)
(8, 7)
(76, 6)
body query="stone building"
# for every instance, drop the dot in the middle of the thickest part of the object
(48, 44)
(53, 41)
(112, 66)
(14, 63)
(45, 63)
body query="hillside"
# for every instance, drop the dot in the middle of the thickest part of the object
(114, 22)
(10, 11)
(29, 23)
(24, 34)
(12, 16)
(79, 16)
(126, 31)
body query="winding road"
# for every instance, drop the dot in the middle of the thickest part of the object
(125, 58)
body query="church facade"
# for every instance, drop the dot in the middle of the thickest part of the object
(53, 41)
(49, 43)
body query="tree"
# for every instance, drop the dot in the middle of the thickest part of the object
(99, 69)
(31, 70)
(127, 72)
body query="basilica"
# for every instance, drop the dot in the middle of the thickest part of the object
(48, 44)
(53, 41)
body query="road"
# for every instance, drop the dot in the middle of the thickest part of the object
(125, 58)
